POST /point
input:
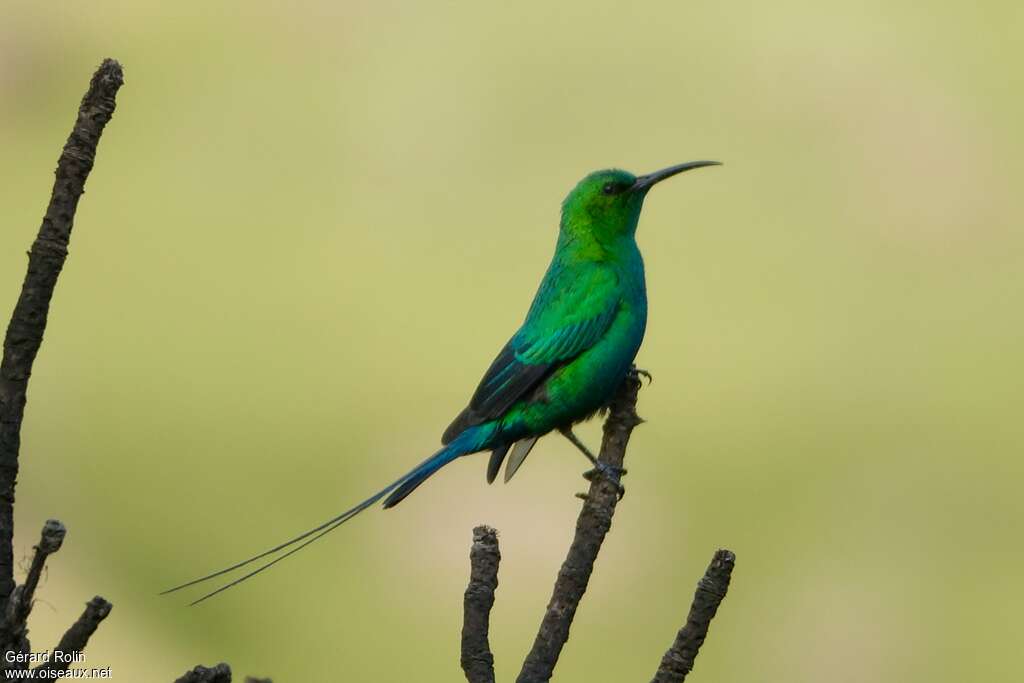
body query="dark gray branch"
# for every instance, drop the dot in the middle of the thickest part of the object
(711, 590)
(50, 541)
(21, 345)
(591, 527)
(220, 673)
(14, 628)
(45, 261)
(477, 660)
(77, 637)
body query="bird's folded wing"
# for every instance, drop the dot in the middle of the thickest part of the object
(571, 312)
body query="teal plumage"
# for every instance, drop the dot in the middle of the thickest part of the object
(563, 364)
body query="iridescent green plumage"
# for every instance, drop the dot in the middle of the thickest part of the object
(564, 363)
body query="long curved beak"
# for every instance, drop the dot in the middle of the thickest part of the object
(646, 182)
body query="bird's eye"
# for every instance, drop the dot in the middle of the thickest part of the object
(609, 188)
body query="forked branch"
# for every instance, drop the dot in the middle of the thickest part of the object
(21, 345)
(592, 526)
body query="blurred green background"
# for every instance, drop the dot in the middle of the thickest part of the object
(311, 226)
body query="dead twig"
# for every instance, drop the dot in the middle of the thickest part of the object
(221, 673)
(14, 627)
(592, 526)
(77, 637)
(711, 590)
(484, 557)
(45, 261)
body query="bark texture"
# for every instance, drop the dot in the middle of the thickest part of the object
(593, 524)
(484, 557)
(77, 637)
(711, 590)
(45, 261)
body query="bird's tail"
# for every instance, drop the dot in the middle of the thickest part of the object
(423, 472)
(470, 441)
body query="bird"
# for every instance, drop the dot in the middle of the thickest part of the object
(575, 347)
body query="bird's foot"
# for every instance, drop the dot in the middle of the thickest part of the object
(609, 472)
(636, 373)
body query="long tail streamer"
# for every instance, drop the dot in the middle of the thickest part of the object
(407, 482)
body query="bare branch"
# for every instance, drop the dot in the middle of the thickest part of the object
(477, 660)
(21, 345)
(14, 628)
(594, 521)
(711, 590)
(45, 261)
(77, 637)
(221, 673)
(50, 541)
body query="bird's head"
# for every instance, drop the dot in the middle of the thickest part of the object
(606, 204)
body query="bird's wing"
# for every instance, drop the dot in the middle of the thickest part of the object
(572, 311)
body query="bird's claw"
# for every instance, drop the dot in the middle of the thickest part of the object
(637, 373)
(609, 472)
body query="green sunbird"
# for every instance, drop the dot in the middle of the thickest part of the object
(562, 365)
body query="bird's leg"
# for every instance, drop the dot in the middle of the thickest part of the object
(609, 472)
(575, 440)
